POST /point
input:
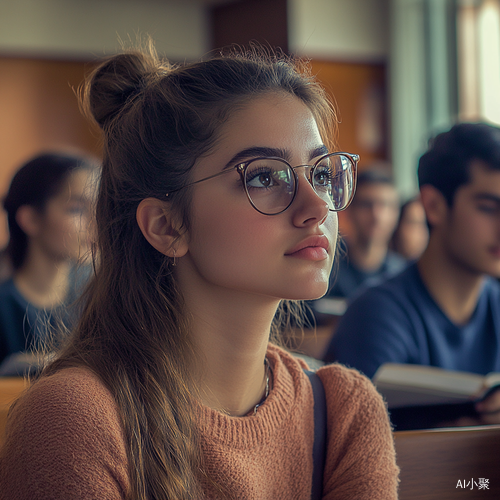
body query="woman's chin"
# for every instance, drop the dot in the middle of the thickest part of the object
(309, 295)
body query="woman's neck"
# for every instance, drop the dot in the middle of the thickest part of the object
(234, 388)
(230, 331)
(42, 281)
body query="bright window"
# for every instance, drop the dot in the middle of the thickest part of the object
(479, 60)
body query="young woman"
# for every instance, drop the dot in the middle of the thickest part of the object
(411, 234)
(47, 207)
(216, 209)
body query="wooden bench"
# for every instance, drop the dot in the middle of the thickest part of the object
(433, 462)
(10, 389)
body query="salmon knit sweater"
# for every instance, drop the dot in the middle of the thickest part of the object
(64, 441)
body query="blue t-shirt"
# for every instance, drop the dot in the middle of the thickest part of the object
(348, 279)
(399, 322)
(23, 326)
(21, 323)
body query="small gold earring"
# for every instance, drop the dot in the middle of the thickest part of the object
(174, 263)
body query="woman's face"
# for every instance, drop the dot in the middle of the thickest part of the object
(230, 244)
(413, 233)
(63, 225)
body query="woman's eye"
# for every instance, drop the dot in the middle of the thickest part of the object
(260, 179)
(488, 208)
(323, 177)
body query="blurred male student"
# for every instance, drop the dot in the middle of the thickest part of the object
(443, 310)
(364, 255)
(372, 218)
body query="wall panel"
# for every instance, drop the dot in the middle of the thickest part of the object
(359, 91)
(39, 111)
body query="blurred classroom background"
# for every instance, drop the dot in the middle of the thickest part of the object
(399, 70)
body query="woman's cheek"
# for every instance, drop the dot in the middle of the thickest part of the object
(332, 228)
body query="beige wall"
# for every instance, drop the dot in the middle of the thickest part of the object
(351, 30)
(325, 29)
(39, 111)
(90, 28)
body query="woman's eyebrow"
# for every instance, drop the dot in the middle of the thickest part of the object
(255, 152)
(487, 197)
(319, 151)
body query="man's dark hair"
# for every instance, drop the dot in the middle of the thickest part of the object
(446, 164)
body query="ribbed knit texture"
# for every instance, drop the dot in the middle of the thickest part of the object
(64, 441)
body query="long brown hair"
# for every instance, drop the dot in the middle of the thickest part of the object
(157, 119)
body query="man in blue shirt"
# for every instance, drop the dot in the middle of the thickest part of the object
(445, 309)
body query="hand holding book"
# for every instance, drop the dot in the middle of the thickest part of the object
(421, 397)
(488, 406)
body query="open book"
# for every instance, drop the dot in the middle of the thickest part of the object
(423, 396)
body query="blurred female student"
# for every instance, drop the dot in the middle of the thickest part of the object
(47, 207)
(216, 210)
(411, 234)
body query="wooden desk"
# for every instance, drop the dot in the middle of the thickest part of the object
(433, 461)
(10, 389)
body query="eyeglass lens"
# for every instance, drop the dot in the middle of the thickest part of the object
(271, 183)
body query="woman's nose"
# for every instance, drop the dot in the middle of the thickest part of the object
(308, 207)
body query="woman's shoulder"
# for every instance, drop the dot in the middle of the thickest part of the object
(333, 375)
(75, 384)
(338, 380)
(66, 429)
(353, 401)
(71, 397)
(361, 447)
(341, 383)
(281, 355)
(344, 373)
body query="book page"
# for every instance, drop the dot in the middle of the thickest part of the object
(408, 385)
(492, 379)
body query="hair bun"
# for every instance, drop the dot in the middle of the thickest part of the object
(113, 82)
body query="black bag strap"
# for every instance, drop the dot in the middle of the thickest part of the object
(319, 447)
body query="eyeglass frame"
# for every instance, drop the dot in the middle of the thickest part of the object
(241, 168)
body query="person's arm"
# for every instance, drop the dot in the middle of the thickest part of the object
(64, 441)
(360, 461)
(374, 330)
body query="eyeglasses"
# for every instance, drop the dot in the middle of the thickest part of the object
(271, 183)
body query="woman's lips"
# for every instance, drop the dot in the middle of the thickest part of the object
(312, 248)
(310, 253)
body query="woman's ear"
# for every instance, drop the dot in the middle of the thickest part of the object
(435, 205)
(28, 219)
(161, 227)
